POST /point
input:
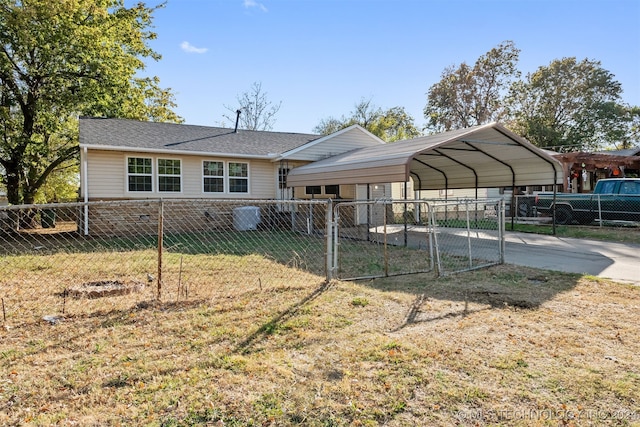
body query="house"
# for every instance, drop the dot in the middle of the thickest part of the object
(128, 159)
(583, 169)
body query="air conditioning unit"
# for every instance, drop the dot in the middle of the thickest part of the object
(246, 218)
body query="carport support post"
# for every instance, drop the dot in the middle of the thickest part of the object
(368, 213)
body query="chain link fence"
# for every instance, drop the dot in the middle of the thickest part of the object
(387, 237)
(81, 258)
(382, 238)
(603, 210)
(468, 234)
(76, 259)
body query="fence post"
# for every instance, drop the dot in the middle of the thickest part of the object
(160, 244)
(434, 239)
(329, 241)
(466, 205)
(501, 228)
(386, 254)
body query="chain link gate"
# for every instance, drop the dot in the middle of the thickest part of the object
(381, 238)
(392, 237)
(468, 234)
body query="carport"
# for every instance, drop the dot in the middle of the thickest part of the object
(484, 156)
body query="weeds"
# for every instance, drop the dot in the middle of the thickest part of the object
(310, 355)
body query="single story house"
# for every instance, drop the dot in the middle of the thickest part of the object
(128, 159)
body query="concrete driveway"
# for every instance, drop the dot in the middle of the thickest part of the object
(616, 261)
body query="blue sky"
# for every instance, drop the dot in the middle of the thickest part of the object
(321, 57)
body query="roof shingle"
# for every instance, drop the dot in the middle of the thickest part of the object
(131, 135)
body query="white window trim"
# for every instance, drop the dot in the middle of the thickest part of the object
(158, 175)
(229, 177)
(127, 175)
(224, 176)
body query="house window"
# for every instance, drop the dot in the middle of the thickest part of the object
(238, 177)
(213, 173)
(282, 177)
(313, 189)
(169, 175)
(139, 174)
(332, 189)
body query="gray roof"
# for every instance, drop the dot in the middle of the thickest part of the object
(635, 151)
(132, 135)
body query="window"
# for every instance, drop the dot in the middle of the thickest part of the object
(238, 177)
(213, 173)
(313, 189)
(169, 175)
(332, 189)
(630, 187)
(282, 177)
(607, 187)
(139, 174)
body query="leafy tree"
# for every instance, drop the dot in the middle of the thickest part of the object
(256, 111)
(569, 105)
(468, 96)
(391, 125)
(632, 136)
(64, 58)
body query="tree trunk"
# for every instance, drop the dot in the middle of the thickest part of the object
(13, 185)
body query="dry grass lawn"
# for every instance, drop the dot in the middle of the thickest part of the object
(501, 346)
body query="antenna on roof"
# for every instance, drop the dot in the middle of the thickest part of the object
(237, 120)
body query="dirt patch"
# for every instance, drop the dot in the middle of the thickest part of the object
(104, 288)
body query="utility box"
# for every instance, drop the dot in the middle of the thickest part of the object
(246, 218)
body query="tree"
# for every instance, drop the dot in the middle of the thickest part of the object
(391, 125)
(256, 111)
(569, 105)
(468, 96)
(632, 136)
(62, 59)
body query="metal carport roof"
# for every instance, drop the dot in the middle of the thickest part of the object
(482, 156)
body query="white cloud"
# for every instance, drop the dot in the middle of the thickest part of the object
(189, 48)
(253, 3)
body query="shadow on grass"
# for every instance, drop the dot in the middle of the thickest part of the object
(276, 321)
(495, 288)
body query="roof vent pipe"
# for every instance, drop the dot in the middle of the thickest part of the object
(237, 120)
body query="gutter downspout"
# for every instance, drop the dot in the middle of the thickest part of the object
(85, 190)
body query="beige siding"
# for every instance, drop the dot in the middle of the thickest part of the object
(263, 177)
(338, 144)
(106, 174)
(458, 193)
(107, 177)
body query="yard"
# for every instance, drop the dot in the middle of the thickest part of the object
(502, 346)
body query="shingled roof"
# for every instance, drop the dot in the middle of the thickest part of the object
(132, 135)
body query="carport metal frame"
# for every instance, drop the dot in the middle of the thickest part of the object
(397, 162)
